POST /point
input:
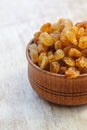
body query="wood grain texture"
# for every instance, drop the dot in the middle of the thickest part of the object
(20, 107)
(57, 88)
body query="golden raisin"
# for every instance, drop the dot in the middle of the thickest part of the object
(57, 45)
(51, 57)
(54, 67)
(46, 39)
(61, 48)
(74, 29)
(66, 50)
(69, 61)
(81, 62)
(63, 39)
(59, 54)
(73, 52)
(71, 37)
(42, 48)
(55, 36)
(67, 23)
(82, 24)
(63, 69)
(44, 62)
(55, 27)
(72, 72)
(32, 46)
(36, 35)
(83, 42)
(34, 55)
(80, 33)
(46, 28)
(41, 57)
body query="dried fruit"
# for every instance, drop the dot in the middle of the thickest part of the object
(32, 46)
(81, 32)
(42, 48)
(55, 36)
(73, 52)
(41, 58)
(46, 28)
(63, 38)
(36, 35)
(74, 29)
(81, 62)
(71, 37)
(44, 62)
(82, 24)
(59, 54)
(83, 42)
(63, 69)
(67, 23)
(61, 48)
(69, 61)
(51, 57)
(54, 67)
(34, 55)
(55, 27)
(66, 50)
(46, 39)
(72, 72)
(57, 45)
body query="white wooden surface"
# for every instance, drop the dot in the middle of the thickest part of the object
(20, 107)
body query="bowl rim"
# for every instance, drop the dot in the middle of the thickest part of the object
(44, 71)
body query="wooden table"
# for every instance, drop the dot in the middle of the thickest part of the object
(20, 107)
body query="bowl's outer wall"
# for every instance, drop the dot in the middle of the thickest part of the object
(57, 89)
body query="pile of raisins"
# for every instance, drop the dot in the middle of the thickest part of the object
(61, 48)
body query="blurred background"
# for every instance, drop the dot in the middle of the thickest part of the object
(30, 15)
(20, 107)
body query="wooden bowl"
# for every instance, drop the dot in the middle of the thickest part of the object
(57, 88)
